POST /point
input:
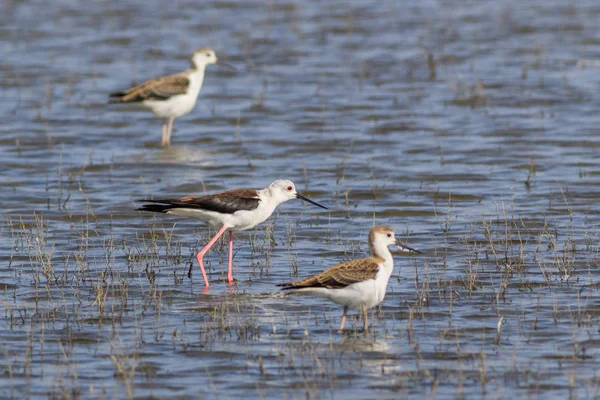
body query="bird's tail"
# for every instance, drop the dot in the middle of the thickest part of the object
(116, 97)
(286, 286)
(161, 208)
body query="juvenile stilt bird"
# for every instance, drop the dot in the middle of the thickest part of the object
(359, 284)
(233, 210)
(170, 96)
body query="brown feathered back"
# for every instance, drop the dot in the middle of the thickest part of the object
(155, 89)
(340, 275)
(227, 202)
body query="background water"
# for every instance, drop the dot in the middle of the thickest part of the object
(470, 127)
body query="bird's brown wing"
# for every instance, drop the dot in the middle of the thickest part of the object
(340, 275)
(225, 202)
(155, 89)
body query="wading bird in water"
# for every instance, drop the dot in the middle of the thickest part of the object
(359, 284)
(233, 210)
(171, 96)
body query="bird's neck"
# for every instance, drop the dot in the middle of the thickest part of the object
(196, 77)
(381, 250)
(268, 200)
(266, 207)
(197, 69)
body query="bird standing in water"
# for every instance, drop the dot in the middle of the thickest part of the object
(171, 96)
(359, 284)
(233, 210)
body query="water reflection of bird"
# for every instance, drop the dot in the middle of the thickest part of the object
(359, 284)
(233, 210)
(171, 96)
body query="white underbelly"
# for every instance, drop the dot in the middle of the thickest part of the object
(173, 107)
(238, 221)
(364, 294)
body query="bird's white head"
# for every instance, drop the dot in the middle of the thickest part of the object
(384, 236)
(281, 191)
(203, 57)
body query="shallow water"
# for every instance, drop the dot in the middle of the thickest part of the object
(469, 127)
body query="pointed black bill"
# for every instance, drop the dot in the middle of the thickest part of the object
(227, 66)
(299, 196)
(405, 248)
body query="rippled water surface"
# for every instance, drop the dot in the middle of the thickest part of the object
(470, 127)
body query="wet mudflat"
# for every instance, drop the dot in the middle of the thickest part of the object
(471, 128)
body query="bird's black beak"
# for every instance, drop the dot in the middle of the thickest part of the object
(226, 65)
(299, 196)
(404, 248)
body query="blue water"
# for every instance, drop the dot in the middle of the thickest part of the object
(338, 97)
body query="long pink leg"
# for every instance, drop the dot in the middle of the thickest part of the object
(229, 272)
(164, 134)
(343, 319)
(200, 255)
(169, 129)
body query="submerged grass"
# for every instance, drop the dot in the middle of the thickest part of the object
(485, 303)
(412, 119)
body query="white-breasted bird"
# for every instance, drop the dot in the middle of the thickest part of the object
(233, 210)
(171, 96)
(359, 284)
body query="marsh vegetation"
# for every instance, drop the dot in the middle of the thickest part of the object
(459, 125)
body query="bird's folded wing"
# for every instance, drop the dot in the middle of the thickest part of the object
(342, 275)
(155, 89)
(225, 202)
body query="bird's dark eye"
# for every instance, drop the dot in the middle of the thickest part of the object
(389, 235)
(208, 55)
(289, 188)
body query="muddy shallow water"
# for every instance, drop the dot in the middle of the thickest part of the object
(469, 127)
